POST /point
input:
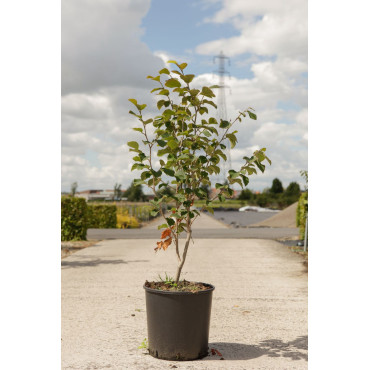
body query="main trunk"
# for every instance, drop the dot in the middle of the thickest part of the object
(181, 264)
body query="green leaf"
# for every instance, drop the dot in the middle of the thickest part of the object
(251, 170)
(233, 174)
(161, 143)
(252, 115)
(203, 110)
(163, 226)
(168, 171)
(224, 124)
(160, 103)
(170, 221)
(210, 102)
(180, 174)
(173, 144)
(207, 133)
(156, 174)
(138, 166)
(164, 70)
(145, 175)
(203, 159)
(133, 101)
(232, 139)
(245, 180)
(183, 65)
(133, 144)
(134, 114)
(157, 78)
(187, 78)
(168, 112)
(138, 182)
(162, 152)
(164, 92)
(138, 129)
(173, 82)
(154, 213)
(172, 61)
(260, 166)
(156, 89)
(206, 91)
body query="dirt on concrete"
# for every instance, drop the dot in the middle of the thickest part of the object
(70, 247)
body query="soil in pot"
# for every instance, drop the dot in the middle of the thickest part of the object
(182, 286)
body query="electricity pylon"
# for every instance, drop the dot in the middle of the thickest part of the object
(221, 105)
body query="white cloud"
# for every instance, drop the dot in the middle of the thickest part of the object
(101, 45)
(267, 27)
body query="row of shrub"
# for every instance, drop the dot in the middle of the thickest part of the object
(101, 216)
(302, 210)
(77, 217)
(74, 218)
(269, 200)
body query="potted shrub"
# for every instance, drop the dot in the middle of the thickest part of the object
(187, 145)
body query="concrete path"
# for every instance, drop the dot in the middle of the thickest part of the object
(259, 312)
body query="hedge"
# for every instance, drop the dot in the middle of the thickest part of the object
(74, 218)
(302, 210)
(102, 216)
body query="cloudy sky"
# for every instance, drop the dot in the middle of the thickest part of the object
(110, 46)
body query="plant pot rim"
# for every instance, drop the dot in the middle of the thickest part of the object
(174, 292)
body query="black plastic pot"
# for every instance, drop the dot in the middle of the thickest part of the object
(178, 323)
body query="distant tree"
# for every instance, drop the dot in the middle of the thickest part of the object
(293, 189)
(262, 200)
(277, 187)
(266, 191)
(166, 190)
(245, 194)
(117, 192)
(74, 188)
(135, 193)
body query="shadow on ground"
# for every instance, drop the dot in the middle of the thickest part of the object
(271, 348)
(88, 261)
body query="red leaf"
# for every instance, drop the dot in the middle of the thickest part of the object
(166, 233)
(166, 243)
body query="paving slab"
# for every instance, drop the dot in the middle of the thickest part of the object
(259, 312)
